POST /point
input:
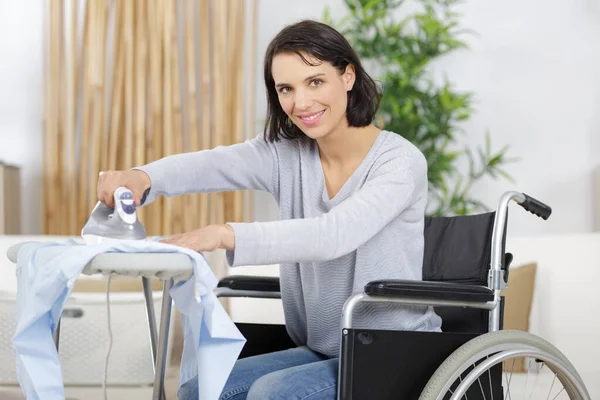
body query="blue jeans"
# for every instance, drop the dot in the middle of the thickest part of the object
(294, 374)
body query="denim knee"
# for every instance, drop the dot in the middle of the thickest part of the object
(189, 391)
(264, 387)
(238, 393)
(316, 381)
(270, 388)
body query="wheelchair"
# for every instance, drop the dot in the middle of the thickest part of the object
(465, 268)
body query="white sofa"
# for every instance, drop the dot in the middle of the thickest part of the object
(565, 308)
(566, 302)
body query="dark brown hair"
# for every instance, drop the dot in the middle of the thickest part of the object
(326, 44)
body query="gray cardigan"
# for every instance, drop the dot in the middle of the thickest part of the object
(327, 248)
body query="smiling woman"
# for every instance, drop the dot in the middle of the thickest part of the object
(310, 69)
(306, 100)
(352, 201)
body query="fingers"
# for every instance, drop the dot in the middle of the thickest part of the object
(177, 240)
(139, 181)
(171, 239)
(99, 193)
(199, 240)
(109, 181)
(137, 197)
(181, 240)
(102, 190)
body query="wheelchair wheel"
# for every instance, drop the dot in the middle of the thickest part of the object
(475, 370)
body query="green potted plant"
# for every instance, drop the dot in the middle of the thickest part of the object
(399, 52)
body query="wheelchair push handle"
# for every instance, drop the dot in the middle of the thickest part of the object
(536, 207)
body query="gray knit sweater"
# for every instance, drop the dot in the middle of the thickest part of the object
(327, 248)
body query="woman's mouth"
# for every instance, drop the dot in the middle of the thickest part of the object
(311, 119)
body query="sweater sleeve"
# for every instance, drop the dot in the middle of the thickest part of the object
(248, 165)
(389, 191)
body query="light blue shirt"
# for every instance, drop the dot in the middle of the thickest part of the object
(46, 272)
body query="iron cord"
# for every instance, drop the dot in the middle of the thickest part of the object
(110, 338)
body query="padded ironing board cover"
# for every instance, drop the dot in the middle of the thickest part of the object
(46, 273)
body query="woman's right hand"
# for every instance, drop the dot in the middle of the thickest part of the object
(135, 180)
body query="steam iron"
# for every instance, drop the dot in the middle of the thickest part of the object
(114, 224)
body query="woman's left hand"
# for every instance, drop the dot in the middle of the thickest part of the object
(208, 238)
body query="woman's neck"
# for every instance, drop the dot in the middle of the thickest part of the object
(347, 144)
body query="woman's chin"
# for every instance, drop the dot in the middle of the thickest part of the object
(316, 132)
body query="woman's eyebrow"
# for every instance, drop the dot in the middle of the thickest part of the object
(306, 79)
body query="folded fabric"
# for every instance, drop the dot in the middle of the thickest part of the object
(46, 273)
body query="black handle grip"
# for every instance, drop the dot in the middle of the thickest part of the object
(143, 200)
(536, 207)
(72, 313)
(252, 283)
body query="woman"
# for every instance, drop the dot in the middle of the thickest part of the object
(352, 199)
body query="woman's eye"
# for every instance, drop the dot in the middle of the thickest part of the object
(284, 90)
(316, 82)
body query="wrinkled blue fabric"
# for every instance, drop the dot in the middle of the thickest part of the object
(46, 273)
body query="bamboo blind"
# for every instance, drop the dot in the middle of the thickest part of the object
(129, 82)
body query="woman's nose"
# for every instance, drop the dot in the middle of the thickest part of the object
(303, 100)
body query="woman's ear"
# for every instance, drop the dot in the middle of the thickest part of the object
(349, 77)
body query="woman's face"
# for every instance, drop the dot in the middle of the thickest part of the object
(314, 97)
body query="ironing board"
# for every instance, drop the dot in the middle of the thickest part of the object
(168, 267)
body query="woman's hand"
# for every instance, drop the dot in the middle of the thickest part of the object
(208, 238)
(135, 180)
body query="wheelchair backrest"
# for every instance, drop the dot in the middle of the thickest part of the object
(458, 249)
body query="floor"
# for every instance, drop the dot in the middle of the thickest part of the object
(536, 387)
(96, 393)
(119, 393)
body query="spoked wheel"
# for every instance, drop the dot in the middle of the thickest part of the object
(482, 368)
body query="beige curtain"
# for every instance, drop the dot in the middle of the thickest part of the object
(129, 82)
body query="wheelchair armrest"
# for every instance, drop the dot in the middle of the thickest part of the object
(250, 283)
(430, 290)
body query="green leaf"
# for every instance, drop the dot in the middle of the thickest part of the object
(327, 16)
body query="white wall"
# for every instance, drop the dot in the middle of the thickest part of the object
(21, 100)
(533, 69)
